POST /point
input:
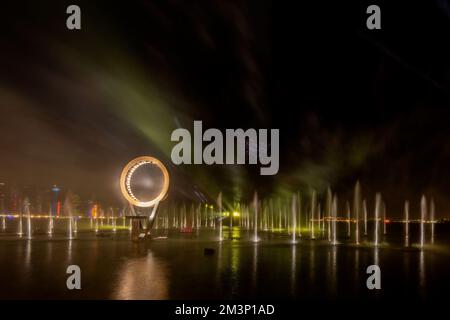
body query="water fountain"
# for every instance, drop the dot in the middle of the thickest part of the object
(347, 208)
(313, 210)
(69, 213)
(356, 209)
(113, 220)
(279, 214)
(384, 218)
(299, 205)
(294, 221)
(50, 221)
(271, 215)
(4, 223)
(423, 214)
(199, 217)
(365, 216)
(20, 232)
(255, 207)
(230, 232)
(28, 214)
(323, 223)
(377, 217)
(70, 228)
(75, 225)
(432, 209)
(328, 211)
(334, 214)
(219, 207)
(319, 209)
(406, 223)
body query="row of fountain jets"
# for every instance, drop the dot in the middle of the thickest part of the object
(315, 216)
(267, 216)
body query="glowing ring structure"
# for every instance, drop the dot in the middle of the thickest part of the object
(127, 174)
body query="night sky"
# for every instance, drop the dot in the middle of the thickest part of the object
(350, 103)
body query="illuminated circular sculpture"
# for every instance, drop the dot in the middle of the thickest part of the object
(144, 181)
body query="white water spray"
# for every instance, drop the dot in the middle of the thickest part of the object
(313, 210)
(377, 217)
(432, 213)
(219, 207)
(255, 207)
(423, 214)
(294, 218)
(406, 224)
(334, 214)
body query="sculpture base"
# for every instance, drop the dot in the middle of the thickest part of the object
(140, 227)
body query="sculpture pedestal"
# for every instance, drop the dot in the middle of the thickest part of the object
(139, 227)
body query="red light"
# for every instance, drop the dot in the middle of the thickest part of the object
(58, 208)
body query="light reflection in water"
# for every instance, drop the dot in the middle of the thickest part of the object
(69, 251)
(293, 270)
(141, 279)
(356, 270)
(333, 270)
(234, 263)
(375, 256)
(312, 267)
(219, 263)
(28, 256)
(233, 271)
(255, 267)
(422, 270)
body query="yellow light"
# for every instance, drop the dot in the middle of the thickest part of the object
(127, 173)
(236, 214)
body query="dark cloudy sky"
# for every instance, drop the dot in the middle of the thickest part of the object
(350, 103)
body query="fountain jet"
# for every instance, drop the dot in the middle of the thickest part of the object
(294, 221)
(334, 213)
(356, 209)
(299, 205)
(313, 210)
(432, 209)
(329, 202)
(347, 207)
(406, 223)
(377, 217)
(365, 216)
(28, 213)
(69, 212)
(20, 232)
(255, 207)
(423, 214)
(219, 207)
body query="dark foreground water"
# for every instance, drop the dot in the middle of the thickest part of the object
(113, 267)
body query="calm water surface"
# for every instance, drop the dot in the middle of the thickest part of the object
(175, 267)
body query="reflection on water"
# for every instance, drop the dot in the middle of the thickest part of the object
(333, 270)
(113, 267)
(28, 255)
(293, 270)
(422, 270)
(142, 278)
(255, 266)
(375, 256)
